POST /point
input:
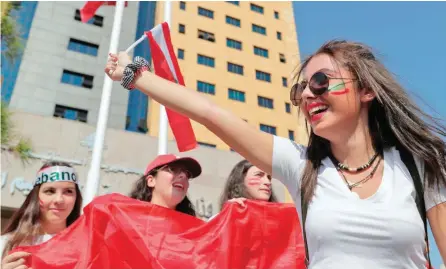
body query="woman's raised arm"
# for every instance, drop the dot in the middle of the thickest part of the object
(253, 144)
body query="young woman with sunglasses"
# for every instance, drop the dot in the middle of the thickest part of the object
(52, 205)
(361, 200)
(166, 182)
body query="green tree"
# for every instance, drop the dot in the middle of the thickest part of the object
(10, 32)
(10, 35)
(10, 141)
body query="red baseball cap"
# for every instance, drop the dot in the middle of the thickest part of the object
(191, 164)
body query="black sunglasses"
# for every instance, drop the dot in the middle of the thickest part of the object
(319, 84)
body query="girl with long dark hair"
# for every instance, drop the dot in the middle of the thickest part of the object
(246, 181)
(166, 182)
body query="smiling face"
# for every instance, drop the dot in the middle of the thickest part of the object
(57, 200)
(258, 184)
(340, 107)
(170, 185)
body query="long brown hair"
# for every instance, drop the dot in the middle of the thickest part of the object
(393, 118)
(141, 191)
(24, 225)
(235, 184)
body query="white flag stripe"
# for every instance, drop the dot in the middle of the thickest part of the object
(158, 36)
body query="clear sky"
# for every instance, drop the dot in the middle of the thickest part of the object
(409, 37)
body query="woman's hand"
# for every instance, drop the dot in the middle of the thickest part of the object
(240, 201)
(15, 260)
(116, 64)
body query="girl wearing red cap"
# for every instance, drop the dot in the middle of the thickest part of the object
(166, 182)
(52, 205)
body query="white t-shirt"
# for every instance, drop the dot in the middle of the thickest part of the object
(39, 240)
(344, 231)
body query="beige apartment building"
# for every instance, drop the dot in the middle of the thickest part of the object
(241, 55)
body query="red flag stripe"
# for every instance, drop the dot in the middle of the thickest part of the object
(89, 10)
(166, 66)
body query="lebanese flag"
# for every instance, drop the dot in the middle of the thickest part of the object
(89, 9)
(116, 231)
(166, 66)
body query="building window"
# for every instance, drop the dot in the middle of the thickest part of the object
(284, 82)
(205, 60)
(182, 28)
(263, 76)
(233, 21)
(276, 14)
(207, 145)
(279, 35)
(206, 87)
(83, 47)
(96, 20)
(206, 12)
(257, 8)
(287, 107)
(261, 52)
(235, 68)
(237, 3)
(291, 135)
(142, 126)
(268, 129)
(182, 5)
(231, 43)
(236, 95)
(206, 36)
(265, 102)
(282, 58)
(70, 113)
(180, 54)
(77, 79)
(258, 29)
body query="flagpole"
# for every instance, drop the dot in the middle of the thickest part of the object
(93, 178)
(162, 133)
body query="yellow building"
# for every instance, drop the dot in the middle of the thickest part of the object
(242, 56)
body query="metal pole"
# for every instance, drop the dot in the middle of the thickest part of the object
(162, 133)
(93, 178)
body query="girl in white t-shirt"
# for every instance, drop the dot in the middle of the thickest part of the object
(53, 204)
(360, 195)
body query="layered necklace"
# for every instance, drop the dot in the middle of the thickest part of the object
(341, 168)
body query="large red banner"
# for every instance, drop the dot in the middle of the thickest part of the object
(119, 232)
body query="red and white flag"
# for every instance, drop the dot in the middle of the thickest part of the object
(89, 9)
(166, 66)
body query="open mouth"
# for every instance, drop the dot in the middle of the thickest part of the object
(316, 110)
(178, 186)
